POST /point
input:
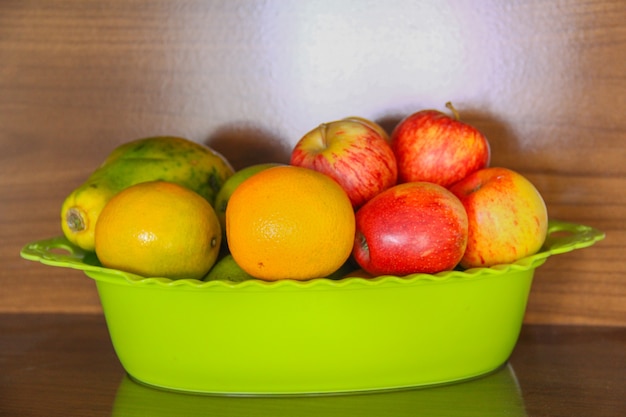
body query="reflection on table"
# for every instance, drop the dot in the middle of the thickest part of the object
(497, 394)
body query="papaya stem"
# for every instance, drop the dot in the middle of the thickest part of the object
(75, 221)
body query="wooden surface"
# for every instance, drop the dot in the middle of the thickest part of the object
(544, 81)
(64, 365)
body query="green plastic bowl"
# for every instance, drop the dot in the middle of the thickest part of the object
(318, 336)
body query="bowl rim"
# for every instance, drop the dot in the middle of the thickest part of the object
(57, 251)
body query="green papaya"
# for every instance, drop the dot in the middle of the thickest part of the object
(164, 158)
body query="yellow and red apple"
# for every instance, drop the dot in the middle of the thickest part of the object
(507, 215)
(353, 153)
(378, 128)
(410, 228)
(432, 146)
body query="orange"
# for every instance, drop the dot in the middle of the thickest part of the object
(158, 229)
(289, 222)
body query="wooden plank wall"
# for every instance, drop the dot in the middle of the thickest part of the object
(544, 80)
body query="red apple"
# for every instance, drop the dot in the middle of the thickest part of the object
(409, 228)
(508, 219)
(432, 146)
(351, 152)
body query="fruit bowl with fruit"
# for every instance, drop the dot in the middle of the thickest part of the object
(257, 337)
(369, 262)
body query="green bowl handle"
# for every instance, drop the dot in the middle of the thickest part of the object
(564, 237)
(58, 251)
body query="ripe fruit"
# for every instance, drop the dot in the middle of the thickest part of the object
(378, 128)
(158, 229)
(226, 269)
(221, 200)
(432, 146)
(508, 219)
(289, 222)
(353, 153)
(410, 228)
(172, 159)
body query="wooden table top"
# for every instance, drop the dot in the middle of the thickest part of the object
(64, 365)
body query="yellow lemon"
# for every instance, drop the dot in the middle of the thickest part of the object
(158, 229)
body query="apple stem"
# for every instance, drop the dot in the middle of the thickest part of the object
(324, 134)
(454, 112)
